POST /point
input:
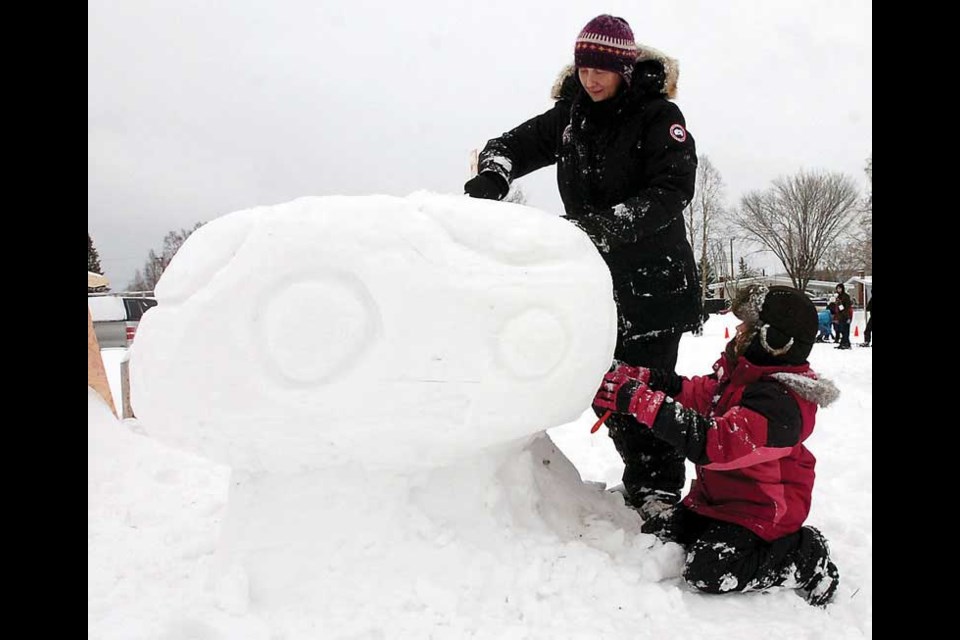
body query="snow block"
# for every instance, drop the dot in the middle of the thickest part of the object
(317, 332)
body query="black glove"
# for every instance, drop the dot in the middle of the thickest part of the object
(670, 382)
(487, 185)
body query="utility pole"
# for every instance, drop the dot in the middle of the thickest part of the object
(731, 258)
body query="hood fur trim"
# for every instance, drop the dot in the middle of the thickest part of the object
(819, 390)
(671, 68)
(671, 72)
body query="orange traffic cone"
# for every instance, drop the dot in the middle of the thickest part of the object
(856, 330)
(726, 333)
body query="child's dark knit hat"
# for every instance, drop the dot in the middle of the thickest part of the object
(607, 43)
(785, 319)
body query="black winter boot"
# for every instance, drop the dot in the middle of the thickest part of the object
(653, 471)
(817, 577)
(657, 511)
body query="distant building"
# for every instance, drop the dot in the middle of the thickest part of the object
(859, 287)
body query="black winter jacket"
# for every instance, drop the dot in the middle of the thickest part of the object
(626, 169)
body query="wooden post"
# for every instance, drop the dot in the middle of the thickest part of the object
(125, 387)
(96, 373)
(474, 162)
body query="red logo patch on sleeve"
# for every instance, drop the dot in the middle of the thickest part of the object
(678, 133)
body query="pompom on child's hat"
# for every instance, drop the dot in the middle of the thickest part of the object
(607, 43)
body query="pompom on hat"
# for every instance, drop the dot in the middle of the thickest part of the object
(785, 322)
(607, 43)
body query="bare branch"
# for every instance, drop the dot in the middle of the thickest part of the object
(800, 218)
(702, 217)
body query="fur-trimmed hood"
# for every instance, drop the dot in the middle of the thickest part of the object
(800, 379)
(654, 71)
(819, 390)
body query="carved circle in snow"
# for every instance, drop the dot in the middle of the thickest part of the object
(334, 316)
(532, 343)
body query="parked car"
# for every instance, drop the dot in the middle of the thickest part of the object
(116, 317)
(715, 305)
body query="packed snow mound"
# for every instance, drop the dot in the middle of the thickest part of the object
(372, 329)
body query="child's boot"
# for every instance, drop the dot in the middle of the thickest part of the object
(816, 574)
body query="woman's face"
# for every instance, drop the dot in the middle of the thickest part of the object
(599, 84)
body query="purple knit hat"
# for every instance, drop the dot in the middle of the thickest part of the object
(607, 43)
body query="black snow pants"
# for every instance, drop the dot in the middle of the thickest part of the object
(723, 557)
(653, 468)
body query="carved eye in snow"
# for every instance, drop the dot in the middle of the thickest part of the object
(532, 343)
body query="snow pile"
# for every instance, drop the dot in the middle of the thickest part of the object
(379, 373)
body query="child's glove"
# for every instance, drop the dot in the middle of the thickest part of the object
(670, 382)
(619, 369)
(622, 393)
(645, 405)
(616, 391)
(619, 375)
(638, 373)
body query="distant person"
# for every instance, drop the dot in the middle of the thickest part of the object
(744, 427)
(626, 170)
(834, 319)
(844, 315)
(868, 330)
(825, 325)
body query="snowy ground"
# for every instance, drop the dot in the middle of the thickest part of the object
(155, 512)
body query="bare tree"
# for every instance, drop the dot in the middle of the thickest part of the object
(744, 270)
(800, 218)
(156, 265)
(852, 253)
(702, 214)
(719, 257)
(148, 278)
(840, 262)
(864, 238)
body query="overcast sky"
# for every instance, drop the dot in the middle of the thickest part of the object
(198, 109)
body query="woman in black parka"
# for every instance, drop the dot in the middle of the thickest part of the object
(626, 169)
